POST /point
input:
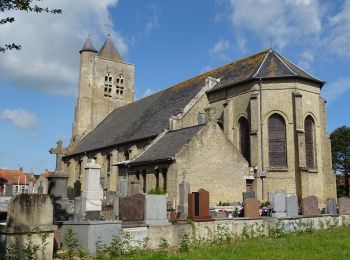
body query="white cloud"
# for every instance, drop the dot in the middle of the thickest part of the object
(219, 50)
(20, 118)
(336, 89)
(206, 69)
(339, 37)
(49, 58)
(283, 22)
(148, 92)
(306, 59)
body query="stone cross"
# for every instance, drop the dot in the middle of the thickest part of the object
(59, 151)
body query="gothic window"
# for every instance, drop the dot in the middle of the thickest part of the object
(108, 162)
(119, 87)
(108, 85)
(165, 179)
(309, 127)
(277, 141)
(244, 142)
(144, 186)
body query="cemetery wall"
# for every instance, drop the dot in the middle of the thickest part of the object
(258, 227)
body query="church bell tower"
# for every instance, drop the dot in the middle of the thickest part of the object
(106, 82)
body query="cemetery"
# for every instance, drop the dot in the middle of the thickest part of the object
(94, 218)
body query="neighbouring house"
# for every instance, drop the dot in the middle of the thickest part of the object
(16, 180)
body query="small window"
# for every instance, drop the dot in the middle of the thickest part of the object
(201, 118)
(119, 87)
(108, 85)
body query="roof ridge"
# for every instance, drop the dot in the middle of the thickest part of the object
(278, 56)
(267, 54)
(185, 128)
(302, 69)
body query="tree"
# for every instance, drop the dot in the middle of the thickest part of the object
(340, 139)
(20, 5)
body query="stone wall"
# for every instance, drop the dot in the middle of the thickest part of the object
(294, 100)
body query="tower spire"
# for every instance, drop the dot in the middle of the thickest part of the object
(88, 46)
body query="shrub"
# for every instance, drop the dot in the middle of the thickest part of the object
(157, 191)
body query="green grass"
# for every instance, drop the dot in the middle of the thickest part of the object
(326, 244)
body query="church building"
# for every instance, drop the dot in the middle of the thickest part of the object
(256, 124)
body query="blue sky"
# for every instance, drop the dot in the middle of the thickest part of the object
(168, 41)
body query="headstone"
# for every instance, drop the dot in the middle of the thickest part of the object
(309, 206)
(9, 189)
(331, 206)
(251, 208)
(156, 210)
(198, 206)
(77, 188)
(132, 208)
(43, 183)
(344, 206)
(134, 187)
(78, 213)
(93, 194)
(116, 207)
(271, 195)
(184, 189)
(247, 195)
(123, 188)
(26, 212)
(292, 205)
(279, 209)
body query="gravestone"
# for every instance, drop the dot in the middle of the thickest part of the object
(134, 187)
(270, 196)
(132, 208)
(9, 189)
(93, 194)
(309, 206)
(26, 212)
(156, 210)
(279, 200)
(77, 188)
(247, 195)
(184, 189)
(331, 206)
(116, 207)
(292, 205)
(198, 206)
(344, 206)
(42, 185)
(123, 188)
(251, 208)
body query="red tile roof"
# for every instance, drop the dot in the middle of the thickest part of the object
(16, 176)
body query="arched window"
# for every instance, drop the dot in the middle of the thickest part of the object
(277, 141)
(309, 127)
(244, 142)
(120, 86)
(108, 85)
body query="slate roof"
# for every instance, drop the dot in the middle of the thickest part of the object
(167, 146)
(272, 65)
(88, 46)
(149, 116)
(108, 51)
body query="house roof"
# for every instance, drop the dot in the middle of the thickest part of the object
(88, 46)
(16, 176)
(108, 51)
(149, 116)
(167, 145)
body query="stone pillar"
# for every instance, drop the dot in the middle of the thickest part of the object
(184, 190)
(228, 119)
(114, 172)
(81, 174)
(103, 175)
(93, 194)
(299, 144)
(254, 129)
